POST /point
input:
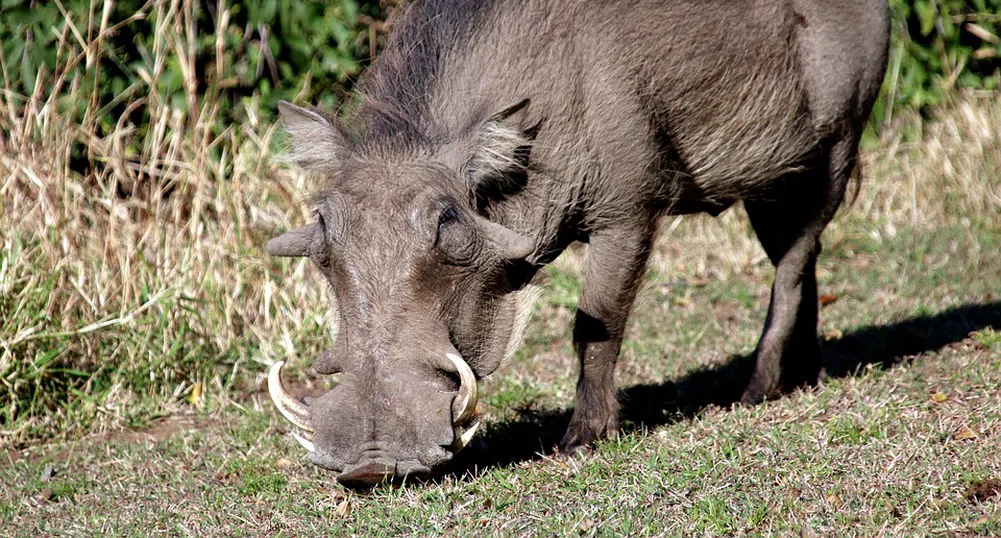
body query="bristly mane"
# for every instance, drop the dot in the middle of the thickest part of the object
(394, 110)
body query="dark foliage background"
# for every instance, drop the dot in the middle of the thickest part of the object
(941, 45)
(275, 49)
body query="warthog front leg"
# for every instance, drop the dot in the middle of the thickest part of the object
(616, 261)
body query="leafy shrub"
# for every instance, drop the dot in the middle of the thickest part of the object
(940, 45)
(231, 48)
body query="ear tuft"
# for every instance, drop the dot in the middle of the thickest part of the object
(316, 139)
(501, 145)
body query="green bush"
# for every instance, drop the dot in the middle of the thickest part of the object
(231, 50)
(941, 45)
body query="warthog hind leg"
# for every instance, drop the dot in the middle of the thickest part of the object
(788, 221)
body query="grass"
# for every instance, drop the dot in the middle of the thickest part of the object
(889, 445)
(138, 313)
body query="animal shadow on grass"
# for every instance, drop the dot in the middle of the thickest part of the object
(534, 434)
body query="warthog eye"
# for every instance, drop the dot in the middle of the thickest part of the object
(450, 214)
(320, 252)
(456, 239)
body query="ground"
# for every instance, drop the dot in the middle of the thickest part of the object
(896, 442)
(902, 438)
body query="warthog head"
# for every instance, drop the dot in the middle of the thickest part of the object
(427, 292)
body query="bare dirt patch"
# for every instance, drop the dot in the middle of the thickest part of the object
(984, 490)
(159, 430)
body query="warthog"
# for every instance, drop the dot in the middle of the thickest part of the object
(491, 134)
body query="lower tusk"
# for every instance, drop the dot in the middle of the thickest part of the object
(464, 405)
(306, 443)
(293, 410)
(466, 436)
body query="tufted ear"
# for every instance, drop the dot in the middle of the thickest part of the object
(500, 147)
(317, 141)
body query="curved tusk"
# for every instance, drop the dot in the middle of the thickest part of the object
(306, 443)
(466, 436)
(289, 407)
(464, 405)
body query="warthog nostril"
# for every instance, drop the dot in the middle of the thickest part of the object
(412, 469)
(368, 474)
(375, 472)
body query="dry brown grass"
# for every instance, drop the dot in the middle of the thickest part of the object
(127, 275)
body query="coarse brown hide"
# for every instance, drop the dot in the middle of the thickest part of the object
(490, 135)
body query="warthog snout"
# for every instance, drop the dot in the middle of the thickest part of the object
(403, 433)
(373, 471)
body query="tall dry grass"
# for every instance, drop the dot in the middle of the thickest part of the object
(133, 282)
